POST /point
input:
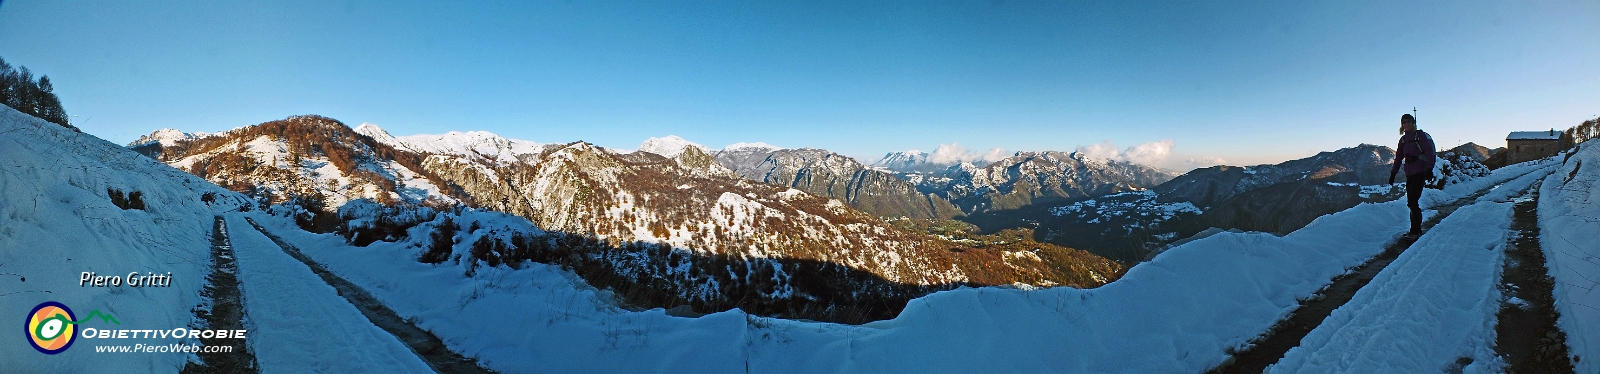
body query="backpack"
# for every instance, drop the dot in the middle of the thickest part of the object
(1416, 141)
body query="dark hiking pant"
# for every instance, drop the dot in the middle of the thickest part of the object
(1413, 192)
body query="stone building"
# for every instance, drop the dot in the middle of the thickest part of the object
(1532, 145)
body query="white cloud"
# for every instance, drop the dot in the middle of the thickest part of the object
(1146, 154)
(1102, 151)
(955, 153)
(995, 154)
(948, 154)
(1149, 153)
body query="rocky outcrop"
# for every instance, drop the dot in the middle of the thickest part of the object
(836, 176)
(1029, 178)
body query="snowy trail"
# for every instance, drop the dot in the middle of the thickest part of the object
(298, 324)
(1290, 333)
(226, 311)
(1527, 336)
(426, 346)
(1431, 310)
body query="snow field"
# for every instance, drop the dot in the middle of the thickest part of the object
(1569, 224)
(1431, 307)
(299, 324)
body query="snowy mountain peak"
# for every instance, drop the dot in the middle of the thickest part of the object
(167, 137)
(669, 146)
(902, 160)
(470, 143)
(754, 147)
(376, 133)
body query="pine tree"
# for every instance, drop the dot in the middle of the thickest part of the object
(8, 82)
(37, 98)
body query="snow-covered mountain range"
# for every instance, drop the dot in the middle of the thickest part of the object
(641, 203)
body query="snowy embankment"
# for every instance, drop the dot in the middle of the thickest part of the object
(1514, 178)
(299, 324)
(1569, 224)
(1433, 306)
(57, 220)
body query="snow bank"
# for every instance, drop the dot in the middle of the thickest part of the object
(537, 319)
(1432, 198)
(300, 324)
(1433, 305)
(1569, 223)
(56, 221)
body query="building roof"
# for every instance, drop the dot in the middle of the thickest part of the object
(1534, 135)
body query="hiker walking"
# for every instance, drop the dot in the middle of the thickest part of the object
(1415, 155)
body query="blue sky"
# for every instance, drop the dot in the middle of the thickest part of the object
(1241, 82)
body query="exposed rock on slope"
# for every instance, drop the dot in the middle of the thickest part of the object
(836, 176)
(1029, 178)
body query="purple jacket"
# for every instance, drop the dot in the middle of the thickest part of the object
(1415, 152)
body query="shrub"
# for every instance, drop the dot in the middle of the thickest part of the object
(117, 198)
(443, 239)
(134, 200)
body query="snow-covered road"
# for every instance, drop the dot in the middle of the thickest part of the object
(299, 324)
(1432, 308)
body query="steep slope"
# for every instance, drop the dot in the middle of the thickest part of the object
(836, 176)
(60, 216)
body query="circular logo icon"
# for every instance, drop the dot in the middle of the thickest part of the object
(50, 327)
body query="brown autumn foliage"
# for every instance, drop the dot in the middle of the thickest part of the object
(306, 135)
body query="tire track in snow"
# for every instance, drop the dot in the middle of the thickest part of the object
(427, 346)
(226, 313)
(1527, 337)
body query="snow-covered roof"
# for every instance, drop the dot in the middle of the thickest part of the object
(1534, 135)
